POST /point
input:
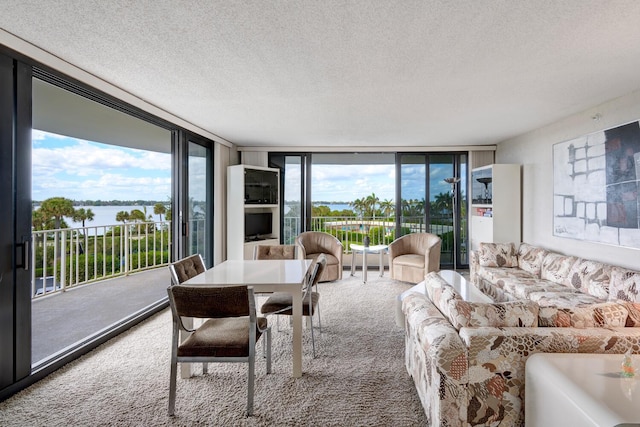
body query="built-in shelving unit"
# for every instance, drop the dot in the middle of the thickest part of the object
(495, 205)
(253, 209)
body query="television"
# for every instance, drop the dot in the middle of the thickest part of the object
(257, 224)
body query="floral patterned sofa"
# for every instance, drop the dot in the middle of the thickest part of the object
(468, 360)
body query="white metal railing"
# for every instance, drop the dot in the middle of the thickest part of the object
(381, 230)
(68, 257)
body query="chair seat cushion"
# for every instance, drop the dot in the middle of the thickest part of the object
(283, 301)
(331, 260)
(410, 260)
(226, 337)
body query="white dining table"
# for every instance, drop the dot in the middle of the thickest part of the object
(265, 276)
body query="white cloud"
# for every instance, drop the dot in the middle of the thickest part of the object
(82, 170)
(86, 158)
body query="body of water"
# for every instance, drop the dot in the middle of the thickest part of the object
(106, 215)
(332, 206)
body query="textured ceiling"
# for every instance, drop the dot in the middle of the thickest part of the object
(354, 72)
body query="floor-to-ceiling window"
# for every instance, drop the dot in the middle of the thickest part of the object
(380, 195)
(293, 177)
(200, 200)
(94, 159)
(101, 182)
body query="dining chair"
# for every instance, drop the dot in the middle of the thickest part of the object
(275, 252)
(229, 334)
(281, 303)
(183, 270)
(186, 268)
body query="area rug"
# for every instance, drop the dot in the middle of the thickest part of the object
(357, 378)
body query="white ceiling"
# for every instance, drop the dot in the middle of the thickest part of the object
(362, 73)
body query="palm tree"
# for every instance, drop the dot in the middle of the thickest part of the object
(137, 215)
(82, 215)
(123, 216)
(41, 221)
(358, 206)
(159, 209)
(442, 203)
(370, 202)
(57, 208)
(387, 207)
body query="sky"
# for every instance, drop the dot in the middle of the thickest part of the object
(83, 170)
(345, 183)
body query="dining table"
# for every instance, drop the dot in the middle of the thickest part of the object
(265, 276)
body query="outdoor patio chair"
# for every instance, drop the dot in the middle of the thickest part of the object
(228, 335)
(314, 243)
(281, 303)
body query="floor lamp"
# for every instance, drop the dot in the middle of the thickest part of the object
(453, 181)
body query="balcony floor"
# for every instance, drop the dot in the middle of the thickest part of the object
(64, 318)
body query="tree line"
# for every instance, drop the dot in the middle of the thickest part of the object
(372, 207)
(53, 211)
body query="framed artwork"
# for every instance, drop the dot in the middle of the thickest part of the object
(596, 181)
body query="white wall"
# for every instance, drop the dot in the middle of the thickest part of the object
(534, 151)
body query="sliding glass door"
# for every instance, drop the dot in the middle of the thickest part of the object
(199, 201)
(433, 199)
(106, 152)
(293, 176)
(381, 195)
(15, 220)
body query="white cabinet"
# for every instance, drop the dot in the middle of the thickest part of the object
(253, 209)
(495, 205)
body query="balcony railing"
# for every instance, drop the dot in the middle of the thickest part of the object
(381, 231)
(69, 257)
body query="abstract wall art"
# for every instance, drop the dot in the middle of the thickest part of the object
(596, 181)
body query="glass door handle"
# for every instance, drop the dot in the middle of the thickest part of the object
(24, 255)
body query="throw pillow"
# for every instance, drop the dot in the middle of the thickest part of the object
(530, 258)
(625, 285)
(556, 268)
(591, 277)
(497, 255)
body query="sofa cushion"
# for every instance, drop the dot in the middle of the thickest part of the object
(497, 255)
(496, 274)
(530, 258)
(523, 287)
(500, 314)
(591, 277)
(556, 268)
(567, 299)
(410, 260)
(606, 314)
(624, 285)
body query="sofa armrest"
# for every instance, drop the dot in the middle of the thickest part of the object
(474, 263)
(436, 358)
(432, 256)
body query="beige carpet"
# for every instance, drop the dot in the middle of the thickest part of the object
(357, 379)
